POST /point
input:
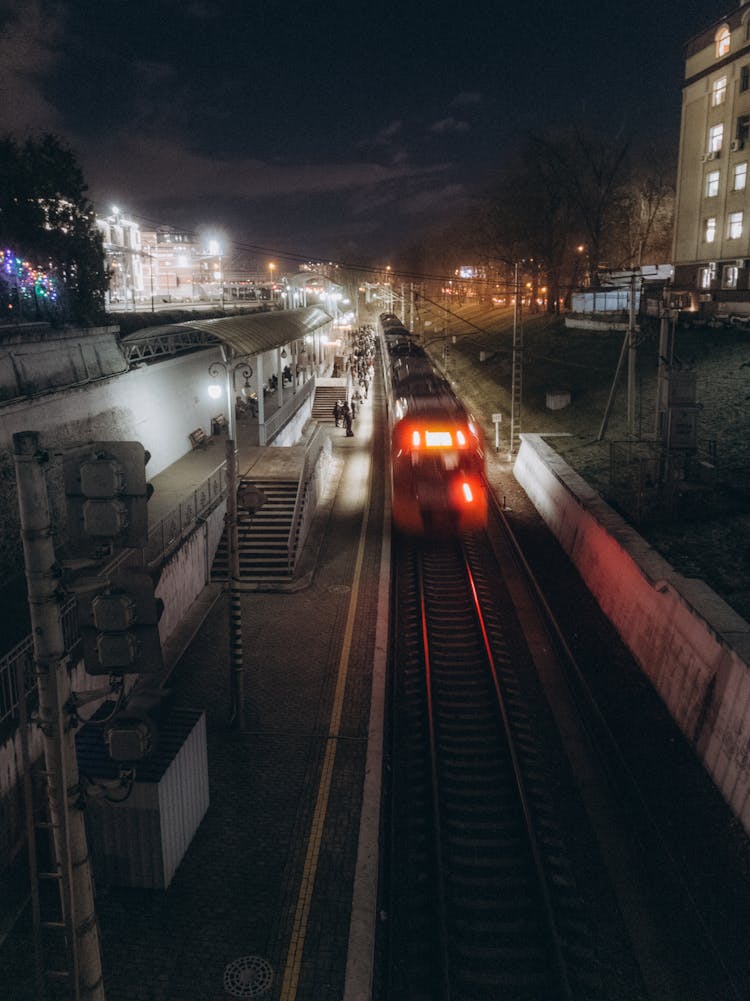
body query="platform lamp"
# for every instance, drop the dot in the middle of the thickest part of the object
(237, 668)
(216, 370)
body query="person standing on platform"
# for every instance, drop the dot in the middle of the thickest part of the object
(338, 413)
(348, 419)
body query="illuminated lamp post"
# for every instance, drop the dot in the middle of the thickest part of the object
(236, 679)
(216, 370)
(271, 268)
(215, 249)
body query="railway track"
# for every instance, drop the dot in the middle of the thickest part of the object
(482, 901)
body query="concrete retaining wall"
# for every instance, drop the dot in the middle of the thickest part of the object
(291, 433)
(692, 646)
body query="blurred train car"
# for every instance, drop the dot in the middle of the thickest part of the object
(437, 449)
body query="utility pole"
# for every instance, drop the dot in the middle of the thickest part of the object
(237, 678)
(57, 722)
(517, 372)
(632, 360)
(667, 325)
(629, 346)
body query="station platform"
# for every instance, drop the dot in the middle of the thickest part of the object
(276, 894)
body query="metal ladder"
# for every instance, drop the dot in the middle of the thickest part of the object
(53, 919)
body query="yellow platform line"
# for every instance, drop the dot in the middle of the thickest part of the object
(293, 963)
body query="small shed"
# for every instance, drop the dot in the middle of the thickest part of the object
(141, 840)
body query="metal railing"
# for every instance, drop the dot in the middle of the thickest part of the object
(297, 528)
(163, 539)
(287, 410)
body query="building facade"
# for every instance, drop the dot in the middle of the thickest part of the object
(711, 250)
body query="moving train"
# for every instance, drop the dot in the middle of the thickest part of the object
(437, 449)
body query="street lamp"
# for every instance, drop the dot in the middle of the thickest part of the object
(236, 681)
(216, 370)
(216, 250)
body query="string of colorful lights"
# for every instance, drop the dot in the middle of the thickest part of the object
(22, 281)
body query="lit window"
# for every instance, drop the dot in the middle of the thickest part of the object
(710, 230)
(734, 225)
(729, 276)
(715, 138)
(739, 179)
(718, 91)
(722, 42)
(706, 275)
(712, 184)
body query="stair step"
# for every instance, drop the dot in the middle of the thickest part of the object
(263, 537)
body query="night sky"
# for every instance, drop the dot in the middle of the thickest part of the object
(326, 129)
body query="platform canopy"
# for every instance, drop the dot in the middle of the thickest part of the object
(254, 333)
(246, 333)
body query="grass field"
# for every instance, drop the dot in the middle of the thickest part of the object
(711, 540)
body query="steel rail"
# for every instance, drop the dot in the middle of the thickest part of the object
(443, 972)
(555, 938)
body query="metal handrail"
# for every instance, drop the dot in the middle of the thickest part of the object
(313, 450)
(287, 409)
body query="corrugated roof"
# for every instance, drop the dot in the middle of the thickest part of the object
(257, 332)
(248, 333)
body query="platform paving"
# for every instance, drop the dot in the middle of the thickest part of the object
(271, 870)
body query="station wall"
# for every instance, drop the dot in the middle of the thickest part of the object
(158, 405)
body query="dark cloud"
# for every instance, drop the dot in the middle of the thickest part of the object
(449, 124)
(466, 97)
(307, 124)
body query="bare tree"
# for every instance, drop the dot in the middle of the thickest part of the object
(590, 170)
(646, 212)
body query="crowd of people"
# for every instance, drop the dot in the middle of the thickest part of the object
(360, 372)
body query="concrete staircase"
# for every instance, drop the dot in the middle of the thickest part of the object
(325, 397)
(263, 535)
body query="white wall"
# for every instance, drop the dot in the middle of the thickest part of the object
(157, 404)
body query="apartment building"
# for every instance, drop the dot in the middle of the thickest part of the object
(711, 250)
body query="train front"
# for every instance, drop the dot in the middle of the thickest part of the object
(438, 474)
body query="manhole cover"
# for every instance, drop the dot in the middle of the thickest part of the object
(248, 977)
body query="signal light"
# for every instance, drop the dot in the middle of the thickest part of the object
(416, 439)
(118, 619)
(467, 492)
(106, 495)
